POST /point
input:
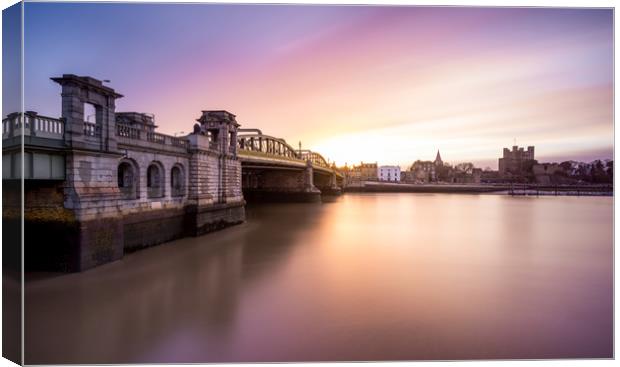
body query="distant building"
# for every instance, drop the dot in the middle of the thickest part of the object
(477, 175)
(546, 168)
(438, 161)
(468, 178)
(368, 171)
(407, 176)
(389, 173)
(423, 171)
(515, 162)
(544, 173)
(491, 176)
(354, 175)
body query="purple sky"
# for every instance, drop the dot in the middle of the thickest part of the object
(387, 84)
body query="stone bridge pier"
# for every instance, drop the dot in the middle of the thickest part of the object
(280, 184)
(327, 183)
(215, 197)
(92, 225)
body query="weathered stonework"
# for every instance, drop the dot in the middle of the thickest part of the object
(119, 191)
(101, 185)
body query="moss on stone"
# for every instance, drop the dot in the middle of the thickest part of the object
(49, 215)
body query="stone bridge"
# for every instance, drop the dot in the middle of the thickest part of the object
(107, 186)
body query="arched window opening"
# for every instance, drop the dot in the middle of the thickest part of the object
(127, 180)
(177, 181)
(154, 179)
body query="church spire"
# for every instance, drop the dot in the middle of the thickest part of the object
(438, 161)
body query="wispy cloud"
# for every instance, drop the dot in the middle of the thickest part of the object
(387, 84)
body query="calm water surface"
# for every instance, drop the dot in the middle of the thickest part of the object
(366, 277)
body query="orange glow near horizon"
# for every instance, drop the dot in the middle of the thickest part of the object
(387, 85)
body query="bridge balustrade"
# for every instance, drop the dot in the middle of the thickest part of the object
(130, 132)
(156, 138)
(32, 124)
(179, 142)
(92, 129)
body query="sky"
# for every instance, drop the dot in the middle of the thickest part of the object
(355, 83)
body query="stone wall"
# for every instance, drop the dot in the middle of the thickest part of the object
(91, 188)
(84, 221)
(210, 218)
(204, 177)
(232, 180)
(91, 222)
(117, 194)
(142, 160)
(50, 230)
(144, 229)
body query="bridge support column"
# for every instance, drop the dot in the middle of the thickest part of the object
(333, 188)
(280, 185)
(327, 183)
(215, 196)
(310, 191)
(79, 224)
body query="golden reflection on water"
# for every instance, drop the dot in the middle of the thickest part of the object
(366, 277)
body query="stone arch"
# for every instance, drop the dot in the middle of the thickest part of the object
(81, 94)
(155, 180)
(177, 180)
(128, 175)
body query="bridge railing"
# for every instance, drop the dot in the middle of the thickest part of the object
(267, 145)
(32, 124)
(127, 131)
(320, 161)
(132, 133)
(92, 129)
(315, 158)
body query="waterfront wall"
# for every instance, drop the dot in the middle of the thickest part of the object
(426, 188)
(125, 186)
(92, 222)
(516, 189)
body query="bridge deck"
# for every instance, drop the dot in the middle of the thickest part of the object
(259, 149)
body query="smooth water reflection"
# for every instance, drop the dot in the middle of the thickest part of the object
(367, 277)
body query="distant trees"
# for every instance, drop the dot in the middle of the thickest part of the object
(597, 171)
(444, 173)
(465, 167)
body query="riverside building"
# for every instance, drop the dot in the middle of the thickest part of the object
(389, 173)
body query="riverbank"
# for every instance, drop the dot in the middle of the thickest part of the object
(517, 189)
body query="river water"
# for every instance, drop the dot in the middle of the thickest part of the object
(364, 277)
